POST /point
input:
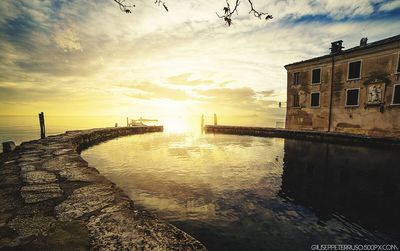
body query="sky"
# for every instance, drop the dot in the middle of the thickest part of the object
(74, 57)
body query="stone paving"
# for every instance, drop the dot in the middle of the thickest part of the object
(50, 199)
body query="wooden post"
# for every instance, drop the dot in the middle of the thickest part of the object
(215, 119)
(42, 126)
(127, 121)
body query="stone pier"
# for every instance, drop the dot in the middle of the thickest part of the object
(50, 199)
(329, 137)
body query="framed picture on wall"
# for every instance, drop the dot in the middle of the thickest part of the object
(375, 93)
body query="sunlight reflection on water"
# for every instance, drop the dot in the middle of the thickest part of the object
(249, 193)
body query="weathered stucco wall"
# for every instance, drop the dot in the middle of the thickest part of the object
(52, 200)
(378, 63)
(306, 117)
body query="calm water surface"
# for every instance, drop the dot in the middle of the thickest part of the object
(249, 193)
(25, 128)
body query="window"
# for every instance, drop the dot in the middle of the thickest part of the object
(398, 64)
(316, 76)
(296, 100)
(296, 77)
(396, 95)
(352, 97)
(315, 99)
(354, 71)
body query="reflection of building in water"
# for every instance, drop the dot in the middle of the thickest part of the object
(356, 90)
(361, 184)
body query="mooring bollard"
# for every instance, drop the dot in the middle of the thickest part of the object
(42, 126)
(8, 146)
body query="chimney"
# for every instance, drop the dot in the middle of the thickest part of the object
(363, 41)
(336, 47)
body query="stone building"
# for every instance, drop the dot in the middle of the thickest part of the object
(354, 91)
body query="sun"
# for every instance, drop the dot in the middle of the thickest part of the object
(175, 116)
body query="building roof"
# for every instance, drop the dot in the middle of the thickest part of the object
(357, 48)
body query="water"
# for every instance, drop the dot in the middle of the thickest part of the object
(25, 128)
(248, 193)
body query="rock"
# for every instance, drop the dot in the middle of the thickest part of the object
(63, 161)
(32, 225)
(63, 237)
(63, 151)
(34, 152)
(123, 230)
(43, 192)
(8, 169)
(38, 177)
(9, 199)
(29, 158)
(115, 232)
(79, 174)
(27, 168)
(9, 175)
(9, 180)
(4, 217)
(10, 162)
(8, 146)
(84, 201)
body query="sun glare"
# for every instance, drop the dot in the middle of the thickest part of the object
(176, 125)
(174, 116)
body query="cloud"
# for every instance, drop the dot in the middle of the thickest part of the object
(337, 10)
(184, 79)
(243, 98)
(76, 47)
(390, 5)
(21, 94)
(267, 94)
(148, 91)
(228, 94)
(66, 38)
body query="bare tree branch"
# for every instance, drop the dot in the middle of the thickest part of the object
(259, 14)
(228, 12)
(123, 7)
(227, 16)
(159, 2)
(127, 8)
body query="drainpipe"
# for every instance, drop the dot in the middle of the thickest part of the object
(331, 90)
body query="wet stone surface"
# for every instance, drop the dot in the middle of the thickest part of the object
(42, 192)
(52, 200)
(38, 177)
(85, 201)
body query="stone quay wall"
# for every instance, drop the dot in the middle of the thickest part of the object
(50, 199)
(329, 137)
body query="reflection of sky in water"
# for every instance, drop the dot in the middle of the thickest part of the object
(228, 191)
